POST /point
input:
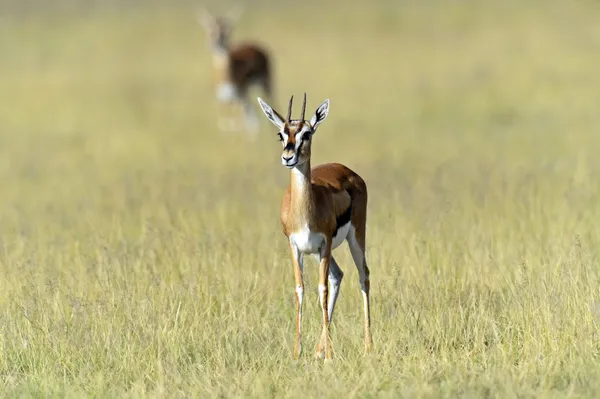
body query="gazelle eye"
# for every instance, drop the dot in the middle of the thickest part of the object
(280, 136)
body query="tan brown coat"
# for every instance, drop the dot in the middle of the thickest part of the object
(322, 207)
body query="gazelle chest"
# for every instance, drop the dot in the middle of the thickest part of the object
(225, 91)
(307, 241)
(220, 62)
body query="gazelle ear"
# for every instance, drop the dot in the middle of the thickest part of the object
(234, 14)
(205, 18)
(271, 114)
(320, 114)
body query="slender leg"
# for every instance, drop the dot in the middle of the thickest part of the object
(335, 281)
(235, 115)
(357, 248)
(224, 121)
(250, 117)
(298, 268)
(226, 96)
(324, 347)
(228, 117)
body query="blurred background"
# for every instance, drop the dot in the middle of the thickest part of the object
(98, 95)
(474, 124)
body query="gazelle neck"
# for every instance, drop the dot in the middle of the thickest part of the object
(301, 189)
(220, 56)
(220, 48)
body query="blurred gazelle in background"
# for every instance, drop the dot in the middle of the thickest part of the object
(236, 69)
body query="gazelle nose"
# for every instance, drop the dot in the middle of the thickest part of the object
(287, 159)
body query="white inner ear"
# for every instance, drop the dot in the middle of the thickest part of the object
(204, 18)
(234, 14)
(270, 114)
(320, 114)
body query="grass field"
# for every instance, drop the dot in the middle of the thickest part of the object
(141, 253)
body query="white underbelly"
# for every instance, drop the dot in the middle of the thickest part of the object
(339, 238)
(309, 242)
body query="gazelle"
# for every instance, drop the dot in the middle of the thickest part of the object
(321, 208)
(236, 68)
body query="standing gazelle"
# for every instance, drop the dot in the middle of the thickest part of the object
(236, 68)
(321, 208)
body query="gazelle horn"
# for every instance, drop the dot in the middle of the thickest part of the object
(289, 115)
(303, 109)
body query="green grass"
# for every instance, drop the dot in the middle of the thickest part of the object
(141, 253)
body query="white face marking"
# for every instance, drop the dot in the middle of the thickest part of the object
(294, 160)
(299, 136)
(306, 241)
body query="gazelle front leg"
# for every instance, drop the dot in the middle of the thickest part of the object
(226, 122)
(298, 268)
(324, 347)
(335, 280)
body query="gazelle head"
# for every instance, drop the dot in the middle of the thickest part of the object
(295, 134)
(219, 29)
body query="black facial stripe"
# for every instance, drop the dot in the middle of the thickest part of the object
(289, 146)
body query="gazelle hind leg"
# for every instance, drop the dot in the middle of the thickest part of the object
(335, 281)
(356, 241)
(224, 121)
(227, 97)
(250, 117)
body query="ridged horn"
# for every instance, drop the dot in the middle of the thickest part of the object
(289, 115)
(303, 108)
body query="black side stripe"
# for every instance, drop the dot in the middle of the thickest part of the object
(343, 219)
